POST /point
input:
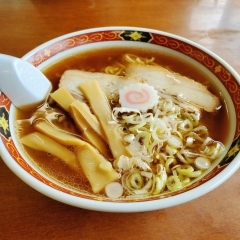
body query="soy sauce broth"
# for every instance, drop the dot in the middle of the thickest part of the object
(96, 61)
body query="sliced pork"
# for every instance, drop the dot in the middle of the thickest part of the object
(110, 84)
(182, 88)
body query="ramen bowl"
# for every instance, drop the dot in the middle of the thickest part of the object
(222, 76)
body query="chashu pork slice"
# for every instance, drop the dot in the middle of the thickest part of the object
(185, 89)
(110, 84)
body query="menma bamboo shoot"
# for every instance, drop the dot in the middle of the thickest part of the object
(41, 142)
(102, 110)
(63, 98)
(59, 135)
(92, 165)
(91, 119)
(88, 132)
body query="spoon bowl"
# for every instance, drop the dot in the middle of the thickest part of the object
(22, 83)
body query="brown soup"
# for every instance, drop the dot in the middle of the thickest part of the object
(96, 61)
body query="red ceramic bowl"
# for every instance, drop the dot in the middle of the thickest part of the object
(222, 74)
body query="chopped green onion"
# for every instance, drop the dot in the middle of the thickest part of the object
(202, 163)
(114, 190)
(173, 183)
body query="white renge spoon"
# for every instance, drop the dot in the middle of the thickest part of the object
(23, 83)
